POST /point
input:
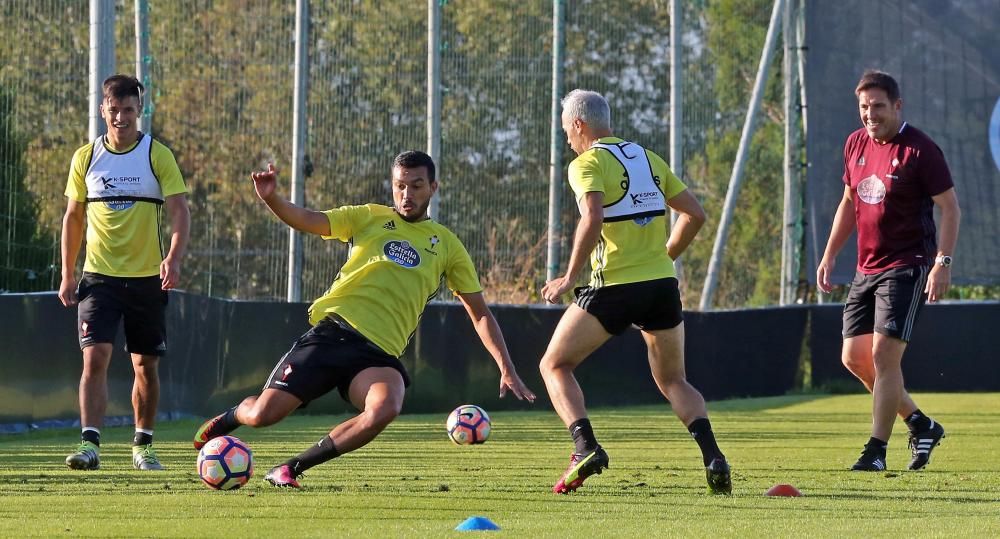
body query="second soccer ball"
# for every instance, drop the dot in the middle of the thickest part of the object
(468, 424)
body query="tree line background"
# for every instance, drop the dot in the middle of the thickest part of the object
(222, 82)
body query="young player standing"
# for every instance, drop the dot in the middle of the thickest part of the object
(119, 185)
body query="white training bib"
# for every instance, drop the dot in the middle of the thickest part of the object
(119, 180)
(643, 197)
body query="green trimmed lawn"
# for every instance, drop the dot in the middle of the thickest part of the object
(412, 482)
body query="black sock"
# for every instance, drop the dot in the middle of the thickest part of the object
(701, 431)
(142, 438)
(583, 436)
(229, 421)
(319, 453)
(91, 436)
(918, 422)
(877, 445)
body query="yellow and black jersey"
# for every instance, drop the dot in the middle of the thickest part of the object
(124, 193)
(636, 184)
(394, 268)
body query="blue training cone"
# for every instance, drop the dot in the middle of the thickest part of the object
(477, 524)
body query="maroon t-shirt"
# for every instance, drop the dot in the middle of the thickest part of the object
(892, 185)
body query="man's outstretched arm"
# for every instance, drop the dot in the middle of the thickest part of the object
(489, 332)
(265, 183)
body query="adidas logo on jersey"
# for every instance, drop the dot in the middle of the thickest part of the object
(391, 225)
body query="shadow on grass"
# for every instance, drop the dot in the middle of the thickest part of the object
(757, 404)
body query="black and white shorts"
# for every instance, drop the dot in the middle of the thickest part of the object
(328, 357)
(650, 305)
(105, 301)
(886, 303)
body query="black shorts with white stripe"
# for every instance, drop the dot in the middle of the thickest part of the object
(888, 302)
(328, 357)
(648, 305)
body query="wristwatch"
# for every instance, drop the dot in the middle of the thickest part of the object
(943, 260)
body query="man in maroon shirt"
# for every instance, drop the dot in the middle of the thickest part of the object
(894, 175)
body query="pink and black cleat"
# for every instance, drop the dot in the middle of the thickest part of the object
(282, 476)
(581, 466)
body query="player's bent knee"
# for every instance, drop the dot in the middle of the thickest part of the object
(545, 367)
(849, 362)
(378, 417)
(672, 379)
(93, 374)
(855, 362)
(886, 363)
(550, 365)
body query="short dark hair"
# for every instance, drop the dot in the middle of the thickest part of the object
(122, 86)
(414, 159)
(874, 78)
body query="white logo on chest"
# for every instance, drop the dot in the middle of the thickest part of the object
(871, 190)
(402, 253)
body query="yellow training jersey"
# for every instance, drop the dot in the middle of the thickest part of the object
(631, 248)
(394, 268)
(124, 192)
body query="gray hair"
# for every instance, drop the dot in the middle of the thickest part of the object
(588, 106)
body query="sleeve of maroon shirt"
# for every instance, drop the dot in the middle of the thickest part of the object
(933, 170)
(849, 151)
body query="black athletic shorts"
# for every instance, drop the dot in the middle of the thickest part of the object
(886, 303)
(650, 305)
(328, 356)
(140, 301)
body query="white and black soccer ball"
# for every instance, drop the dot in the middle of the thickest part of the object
(225, 463)
(468, 424)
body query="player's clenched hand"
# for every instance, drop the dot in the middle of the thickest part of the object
(67, 292)
(512, 382)
(554, 289)
(265, 181)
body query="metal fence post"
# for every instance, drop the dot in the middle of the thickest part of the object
(300, 104)
(102, 59)
(142, 63)
(676, 108)
(555, 134)
(434, 96)
(789, 236)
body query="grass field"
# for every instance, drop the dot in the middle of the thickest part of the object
(412, 482)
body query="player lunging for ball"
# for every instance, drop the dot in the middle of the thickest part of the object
(623, 191)
(362, 324)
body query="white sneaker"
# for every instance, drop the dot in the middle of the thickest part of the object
(144, 458)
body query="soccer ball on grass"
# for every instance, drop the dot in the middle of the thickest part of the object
(468, 424)
(225, 463)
